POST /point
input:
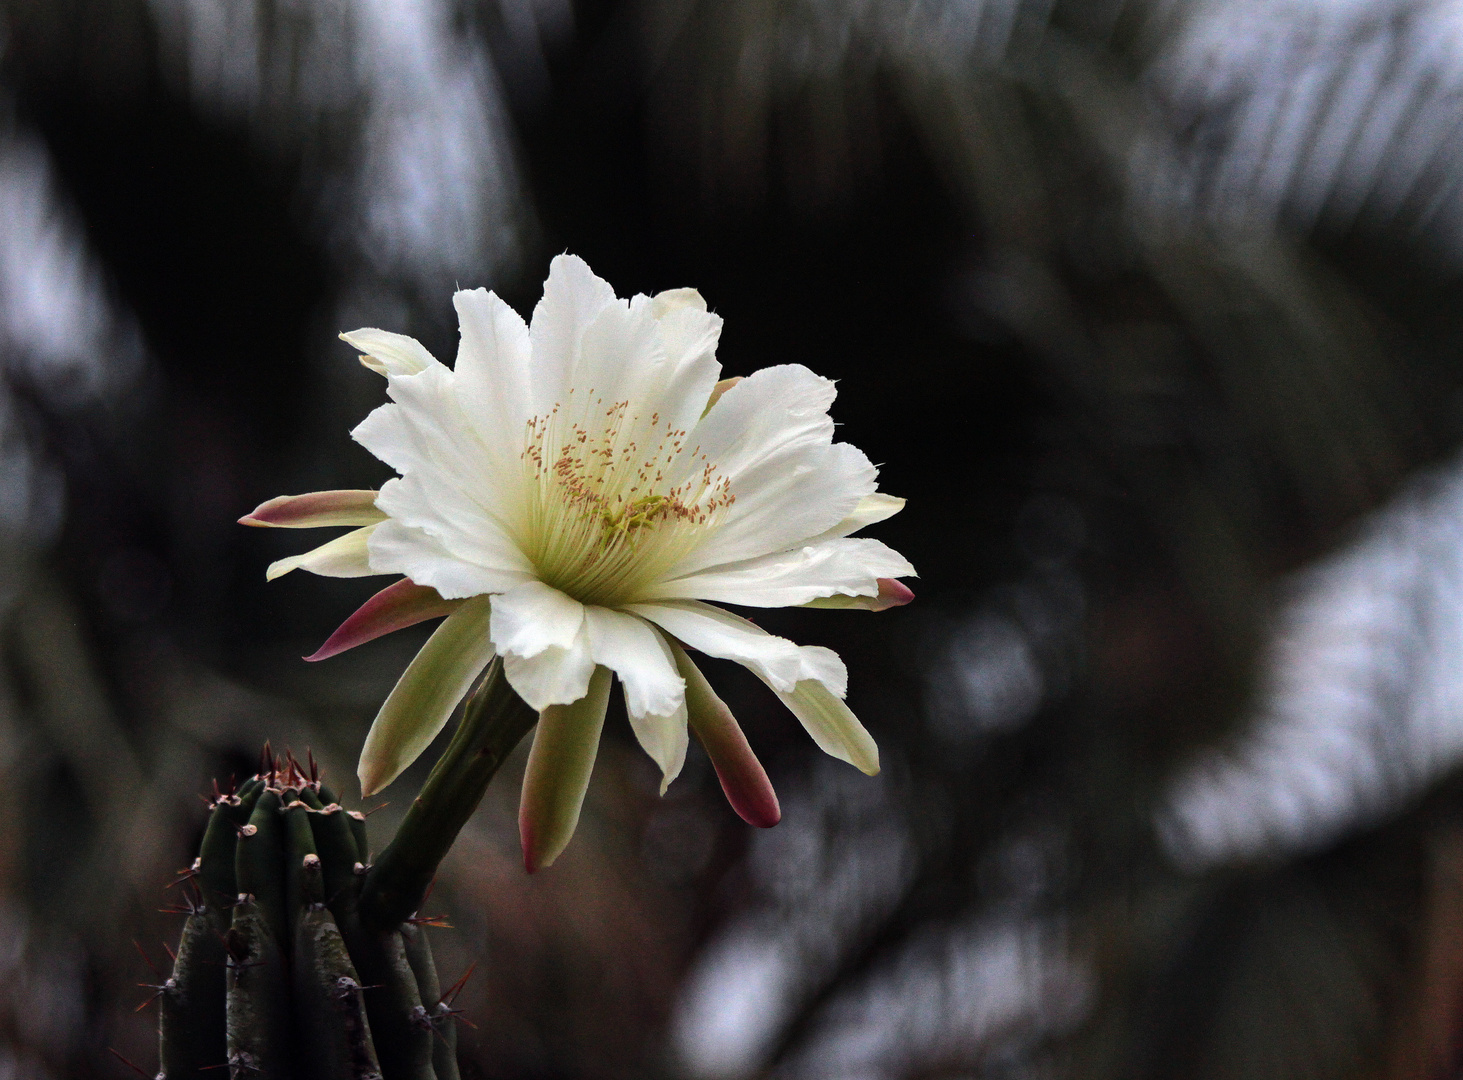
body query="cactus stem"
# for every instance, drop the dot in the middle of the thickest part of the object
(493, 722)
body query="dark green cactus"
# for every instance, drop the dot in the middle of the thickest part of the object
(301, 959)
(276, 976)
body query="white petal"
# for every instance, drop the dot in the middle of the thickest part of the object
(892, 593)
(778, 661)
(846, 567)
(771, 437)
(621, 358)
(451, 493)
(390, 354)
(666, 739)
(559, 766)
(426, 433)
(785, 501)
(425, 695)
(718, 390)
(654, 691)
(832, 725)
(400, 549)
(668, 301)
(532, 617)
(870, 510)
(553, 677)
(345, 556)
(457, 522)
(766, 414)
(573, 297)
(637, 653)
(689, 335)
(493, 374)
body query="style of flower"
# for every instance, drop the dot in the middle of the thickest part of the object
(574, 496)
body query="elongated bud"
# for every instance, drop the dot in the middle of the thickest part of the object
(742, 777)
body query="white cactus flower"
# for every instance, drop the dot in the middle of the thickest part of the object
(572, 494)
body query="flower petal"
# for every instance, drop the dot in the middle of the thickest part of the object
(638, 654)
(452, 493)
(891, 594)
(425, 695)
(532, 617)
(393, 608)
(345, 556)
(494, 371)
(846, 567)
(553, 677)
(776, 660)
(559, 766)
(400, 549)
(654, 692)
(832, 725)
(720, 388)
(742, 777)
(390, 354)
(689, 335)
(316, 510)
(665, 739)
(573, 297)
(771, 437)
(459, 524)
(870, 510)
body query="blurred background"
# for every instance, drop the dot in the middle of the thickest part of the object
(1152, 309)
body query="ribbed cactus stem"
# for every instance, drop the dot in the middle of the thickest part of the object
(494, 720)
(277, 977)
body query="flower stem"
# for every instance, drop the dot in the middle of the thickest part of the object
(493, 721)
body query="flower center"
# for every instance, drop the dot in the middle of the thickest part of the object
(615, 499)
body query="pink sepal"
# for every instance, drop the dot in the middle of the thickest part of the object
(742, 777)
(316, 509)
(393, 608)
(892, 593)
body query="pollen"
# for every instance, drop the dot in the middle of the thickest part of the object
(616, 498)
